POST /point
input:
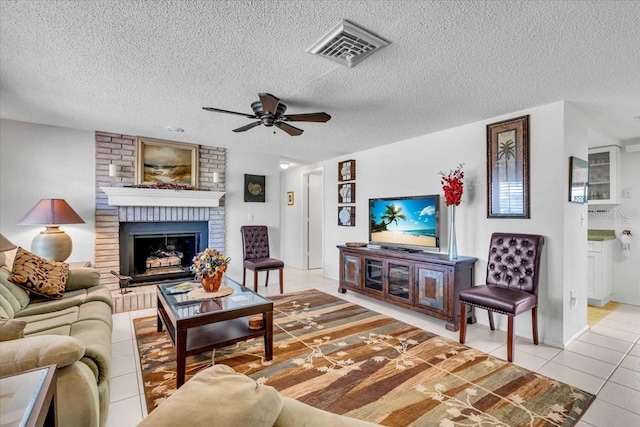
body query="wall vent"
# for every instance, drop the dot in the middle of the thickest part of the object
(347, 44)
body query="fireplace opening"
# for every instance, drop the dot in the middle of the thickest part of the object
(152, 252)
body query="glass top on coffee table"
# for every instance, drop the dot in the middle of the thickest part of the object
(183, 307)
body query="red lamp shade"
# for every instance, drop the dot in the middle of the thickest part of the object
(50, 212)
(52, 243)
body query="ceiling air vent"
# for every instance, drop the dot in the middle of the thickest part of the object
(347, 44)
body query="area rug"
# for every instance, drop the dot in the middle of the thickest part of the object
(348, 360)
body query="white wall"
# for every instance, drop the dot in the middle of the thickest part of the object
(239, 213)
(576, 137)
(411, 167)
(38, 161)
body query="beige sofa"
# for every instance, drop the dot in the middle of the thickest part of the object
(219, 396)
(73, 332)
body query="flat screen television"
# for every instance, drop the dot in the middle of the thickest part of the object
(406, 223)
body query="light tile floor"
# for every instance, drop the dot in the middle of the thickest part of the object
(605, 360)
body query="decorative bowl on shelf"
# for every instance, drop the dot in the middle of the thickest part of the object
(356, 244)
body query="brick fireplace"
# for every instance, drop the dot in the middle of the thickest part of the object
(120, 150)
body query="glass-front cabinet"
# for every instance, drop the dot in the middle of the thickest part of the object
(431, 287)
(399, 286)
(391, 278)
(604, 173)
(373, 274)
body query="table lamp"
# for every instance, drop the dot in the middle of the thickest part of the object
(6, 245)
(52, 243)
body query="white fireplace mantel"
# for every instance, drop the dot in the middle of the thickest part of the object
(130, 196)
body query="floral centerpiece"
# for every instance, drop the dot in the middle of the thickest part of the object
(452, 185)
(209, 266)
(453, 188)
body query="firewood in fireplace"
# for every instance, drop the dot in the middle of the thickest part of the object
(163, 261)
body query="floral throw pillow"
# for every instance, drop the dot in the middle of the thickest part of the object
(39, 275)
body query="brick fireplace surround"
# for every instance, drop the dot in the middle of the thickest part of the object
(121, 151)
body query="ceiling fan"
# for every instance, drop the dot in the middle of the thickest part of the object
(270, 112)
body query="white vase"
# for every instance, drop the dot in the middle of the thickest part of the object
(453, 247)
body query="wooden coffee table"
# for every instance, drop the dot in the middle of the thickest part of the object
(196, 326)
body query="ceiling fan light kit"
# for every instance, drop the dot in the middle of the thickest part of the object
(269, 112)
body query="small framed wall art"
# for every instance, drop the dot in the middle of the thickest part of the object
(578, 180)
(347, 216)
(347, 170)
(254, 188)
(347, 193)
(289, 198)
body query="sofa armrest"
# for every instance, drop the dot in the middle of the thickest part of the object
(218, 396)
(298, 414)
(38, 351)
(82, 278)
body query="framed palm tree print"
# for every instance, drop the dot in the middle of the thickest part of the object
(508, 169)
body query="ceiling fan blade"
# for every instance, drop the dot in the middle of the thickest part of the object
(291, 130)
(269, 103)
(310, 117)
(217, 110)
(247, 127)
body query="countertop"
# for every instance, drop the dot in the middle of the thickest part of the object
(600, 235)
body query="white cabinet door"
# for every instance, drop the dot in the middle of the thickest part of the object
(600, 272)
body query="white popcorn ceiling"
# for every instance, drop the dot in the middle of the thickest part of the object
(136, 67)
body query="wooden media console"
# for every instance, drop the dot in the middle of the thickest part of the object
(425, 282)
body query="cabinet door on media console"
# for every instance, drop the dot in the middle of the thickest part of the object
(433, 288)
(388, 278)
(374, 275)
(399, 280)
(350, 269)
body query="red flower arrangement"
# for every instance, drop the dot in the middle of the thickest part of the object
(452, 185)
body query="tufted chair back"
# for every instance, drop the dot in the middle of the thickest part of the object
(514, 261)
(255, 241)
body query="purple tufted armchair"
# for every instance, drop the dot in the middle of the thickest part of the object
(255, 254)
(512, 283)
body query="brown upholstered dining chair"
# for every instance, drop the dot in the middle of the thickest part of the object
(255, 254)
(511, 286)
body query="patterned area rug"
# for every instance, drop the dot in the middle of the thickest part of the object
(346, 359)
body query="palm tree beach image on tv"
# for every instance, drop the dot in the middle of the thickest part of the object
(406, 223)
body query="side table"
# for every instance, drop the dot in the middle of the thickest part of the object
(28, 398)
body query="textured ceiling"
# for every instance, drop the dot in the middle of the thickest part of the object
(136, 67)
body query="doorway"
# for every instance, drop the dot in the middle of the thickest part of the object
(314, 223)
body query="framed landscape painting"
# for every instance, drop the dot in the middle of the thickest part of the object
(508, 169)
(166, 162)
